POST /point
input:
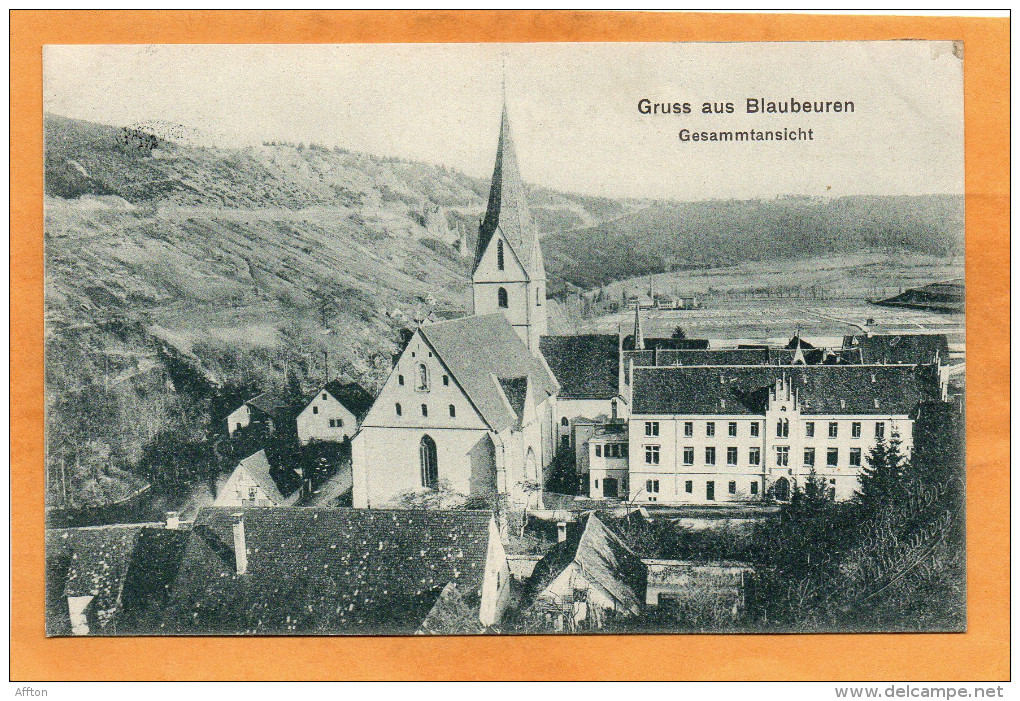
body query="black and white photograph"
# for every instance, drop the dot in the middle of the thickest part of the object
(504, 339)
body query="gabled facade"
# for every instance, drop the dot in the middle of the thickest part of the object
(333, 413)
(251, 484)
(466, 408)
(509, 273)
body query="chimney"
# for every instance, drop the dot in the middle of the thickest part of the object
(240, 548)
(561, 531)
(173, 520)
(614, 410)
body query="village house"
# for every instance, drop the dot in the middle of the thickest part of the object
(588, 579)
(333, 413)
(252, 483)
(268, 412)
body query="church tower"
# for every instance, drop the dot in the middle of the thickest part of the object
(509, 272)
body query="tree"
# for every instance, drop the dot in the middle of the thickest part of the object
(882, 479)
(679, 334)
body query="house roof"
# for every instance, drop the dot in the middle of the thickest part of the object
(120, 565)
(507, 209)
(605, 562)
(258, 467)
(355, 398)
(479, 351)
(821, 389)
(456, 612)
(324, 570)
(915, 349)
(272, 404)
(586, 366)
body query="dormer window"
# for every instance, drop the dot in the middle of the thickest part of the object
(423, 378)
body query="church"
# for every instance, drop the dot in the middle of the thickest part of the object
(481, 405)
(469, 406)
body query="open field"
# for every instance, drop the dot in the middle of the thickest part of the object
(822, 298)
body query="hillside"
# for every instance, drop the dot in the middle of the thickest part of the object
(666, 236)
(253, 267)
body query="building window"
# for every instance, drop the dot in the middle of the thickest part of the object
(423, 378)
(400, 380)
(424, 409)
(253, 493)
(754, 456)
(710, 429)
(564, 422)
(710, 491)
(651, 428)
(855, 429)
(500, 262)
(502, 299)
(833, 429)
(399, 410)
(598, 451)
(880, 429)
(783, 428)
(832, 457)
(855, 457)
(538, 296)
(323, 395)
(809, 457)
(652, 486)
(755, 428)
(453, 411)
(732, 428)
(315, 410)
(809, 429)
(782, 455)
(651, 455)
(688, 428)
(332, 423)
(689, 486)
(733, 487)
(565, 440)
(731, 456)
(689, 455)
(446, 380)
(596, 484)
(429, 463)
(710, 456)
(754, 487)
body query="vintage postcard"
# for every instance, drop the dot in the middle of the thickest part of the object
(465, 339)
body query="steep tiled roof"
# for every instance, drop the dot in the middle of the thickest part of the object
(821, 389)
(507, 209)
(478, 348)
(605, 562)
(586, 366)
(122, 566)
(918, 348)
(355, 398)
(324, 570)
(272, 404)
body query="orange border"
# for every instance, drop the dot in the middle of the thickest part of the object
(980, 654)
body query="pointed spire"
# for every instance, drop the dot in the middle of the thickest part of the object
(639, 334)
(507, 208)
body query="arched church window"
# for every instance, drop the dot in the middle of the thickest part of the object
(502, 298)
(564, 421)
(429, 463)
(500, 261)
(423, 378)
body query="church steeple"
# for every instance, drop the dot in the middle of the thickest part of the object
(509, 273)
(507, 208)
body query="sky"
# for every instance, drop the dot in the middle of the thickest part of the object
(573, 108)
